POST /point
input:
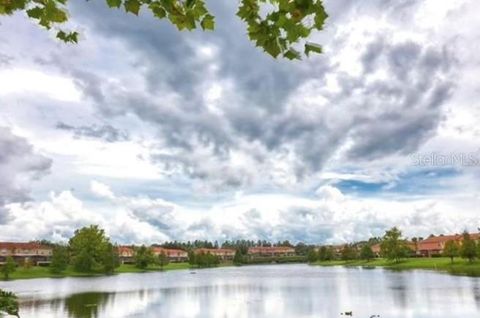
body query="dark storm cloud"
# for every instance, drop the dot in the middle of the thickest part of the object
(19, 165)
(107, 133)
(392, 115)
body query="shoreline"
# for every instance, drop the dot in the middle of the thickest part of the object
(44, 272)
(459, 267)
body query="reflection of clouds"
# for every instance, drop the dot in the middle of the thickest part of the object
(254, 291)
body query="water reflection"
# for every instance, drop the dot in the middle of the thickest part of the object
(265, 291)
(86, 305)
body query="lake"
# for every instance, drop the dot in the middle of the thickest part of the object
(253, 291)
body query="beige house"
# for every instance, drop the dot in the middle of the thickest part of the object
(37, 254)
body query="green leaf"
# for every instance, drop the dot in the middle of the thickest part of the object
(132, 6)
(312, 47)
(208, 22)
(157, 10)
(71, 37)
(114, 3)
(292, 54)
(35, 13)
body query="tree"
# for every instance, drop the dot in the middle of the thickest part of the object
(191, 258)
(8, 303)
(238, 258)
(110, 259)
(277, 26)
(366, 252)
(60, 259)
(163, 260)
(8, 268)
(88, 247)
(312, 256)
(468, 249)
(348, 252)
(393, 247)
(451, 250)
(143, 257)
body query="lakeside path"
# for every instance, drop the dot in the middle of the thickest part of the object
(442, 264)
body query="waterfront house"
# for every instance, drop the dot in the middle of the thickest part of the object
(173, 255)
(271, 251)
(126, 254)
(434, 245)
(224, 254)
(37, 254)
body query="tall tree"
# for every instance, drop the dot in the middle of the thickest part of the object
(276, 26)
(451, 250)
(312, 256)
(8, 303)
(163, 260)
(60, 259)
(348, 252)
(393, 246)
(143, 257)
(8, 268)
(468, 249)
(110, 259)
(88, 247)
(366, 252)
(238, 258)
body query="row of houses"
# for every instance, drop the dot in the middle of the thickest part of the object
(36, 254)
(127, 253)
(39, 254)
(431, 246)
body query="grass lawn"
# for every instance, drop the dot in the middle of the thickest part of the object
(44, 272)
(459, 266)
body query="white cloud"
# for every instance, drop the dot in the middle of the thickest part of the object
(21, 81)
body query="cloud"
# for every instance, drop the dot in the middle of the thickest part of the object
(19, 166)
(225, 121)
(105, 132)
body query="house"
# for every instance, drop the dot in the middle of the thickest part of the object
(126, 254)
(274, 251)
(174, 255)
(376, 249)
(434, 245)
(225, 254)
(37, 254)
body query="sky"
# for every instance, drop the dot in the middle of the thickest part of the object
(159, 135)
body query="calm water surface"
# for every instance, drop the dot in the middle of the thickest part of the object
(275, 291)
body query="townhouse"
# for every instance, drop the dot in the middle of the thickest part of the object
(173, 255)
(271, 251)
(21, 252)
(434, 245)
(224, 254)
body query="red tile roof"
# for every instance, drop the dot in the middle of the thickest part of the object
(23, 245)
(170, 252)
(215, 251)
(438, 242)
(126, 251)
(270, 250)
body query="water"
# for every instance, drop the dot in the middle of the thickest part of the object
(273, 291)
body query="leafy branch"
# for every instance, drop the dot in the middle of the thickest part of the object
(276, 26)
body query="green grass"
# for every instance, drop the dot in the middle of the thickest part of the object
(44, 272)
(459, 266)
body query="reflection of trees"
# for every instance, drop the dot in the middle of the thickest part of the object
(399, 290)
(86, 305)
